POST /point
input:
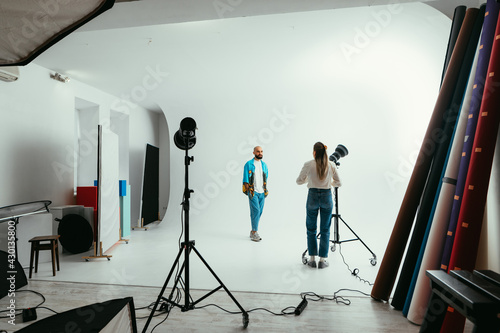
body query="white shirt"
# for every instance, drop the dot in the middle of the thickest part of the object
(308, 175)
(259, 178)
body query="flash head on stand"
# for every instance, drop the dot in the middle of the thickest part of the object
(185, 137)
(339, 152)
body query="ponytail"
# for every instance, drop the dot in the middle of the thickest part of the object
(321, 160)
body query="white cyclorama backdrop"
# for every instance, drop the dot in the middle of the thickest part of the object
(367, 78)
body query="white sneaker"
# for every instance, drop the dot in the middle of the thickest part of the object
(323, 264)
(255, 236)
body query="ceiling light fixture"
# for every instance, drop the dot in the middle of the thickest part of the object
(9, 74)
(59, 77)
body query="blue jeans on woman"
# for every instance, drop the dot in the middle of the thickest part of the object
(319, 200)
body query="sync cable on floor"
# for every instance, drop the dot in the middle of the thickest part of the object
(355, 271)
(28, 314)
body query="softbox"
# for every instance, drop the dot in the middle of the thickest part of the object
(29, 27)
(113, 316)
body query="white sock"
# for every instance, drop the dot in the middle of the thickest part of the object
(322, 259)
(313, 258)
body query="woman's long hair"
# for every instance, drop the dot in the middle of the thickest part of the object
(321, 160)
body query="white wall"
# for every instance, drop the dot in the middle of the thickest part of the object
(369, 82)
(37, 137)
(120, 124)
(86, 151)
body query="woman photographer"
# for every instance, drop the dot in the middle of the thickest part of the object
(320, 175)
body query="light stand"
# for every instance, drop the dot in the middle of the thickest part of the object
(336, 235)
(186, 247)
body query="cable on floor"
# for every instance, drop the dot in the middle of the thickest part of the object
(355, 271)
(19, 311)
(309, 296)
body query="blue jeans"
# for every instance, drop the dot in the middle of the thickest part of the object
(319, 200)
(256, 208)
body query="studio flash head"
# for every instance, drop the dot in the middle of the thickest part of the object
(339, 152)
(185, 137)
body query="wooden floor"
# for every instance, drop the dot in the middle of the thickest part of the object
(362, 315)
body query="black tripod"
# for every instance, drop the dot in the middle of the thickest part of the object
(186, 247)
(336, 236)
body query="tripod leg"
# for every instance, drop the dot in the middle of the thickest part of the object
(374, 259)
(336, 235)
(162, 291)
(174, 287)
(244, 313)
(188, 301)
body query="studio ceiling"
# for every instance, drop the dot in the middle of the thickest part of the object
(122, 49)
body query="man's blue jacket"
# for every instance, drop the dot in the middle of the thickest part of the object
(249, 178)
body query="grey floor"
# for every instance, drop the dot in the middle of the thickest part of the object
(362, 314)
(273, 265)
(268, 274)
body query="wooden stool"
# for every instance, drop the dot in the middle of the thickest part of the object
(52, 245)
